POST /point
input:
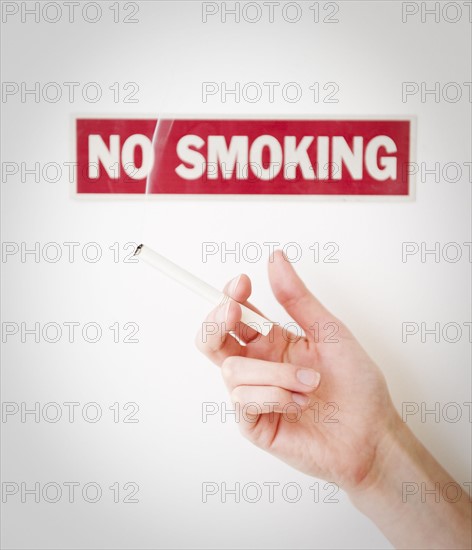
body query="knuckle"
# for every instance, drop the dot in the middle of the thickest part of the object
(236, 395)
(227, 371)
(228, 365)
(275, 395)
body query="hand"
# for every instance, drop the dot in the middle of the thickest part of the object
(333, 404)
(333, 417)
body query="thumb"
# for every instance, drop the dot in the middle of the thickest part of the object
(293, 295)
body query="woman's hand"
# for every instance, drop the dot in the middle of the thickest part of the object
(324, 405)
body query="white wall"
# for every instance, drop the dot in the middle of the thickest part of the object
(171, 452)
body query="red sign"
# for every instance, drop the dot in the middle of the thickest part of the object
(244, 156)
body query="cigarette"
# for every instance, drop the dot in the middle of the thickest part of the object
(216, 297)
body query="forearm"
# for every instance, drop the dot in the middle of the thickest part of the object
(412, 499)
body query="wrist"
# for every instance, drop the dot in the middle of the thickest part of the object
(403, 494)
(381, 488)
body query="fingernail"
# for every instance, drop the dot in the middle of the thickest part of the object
(234, 285)
(309, 377)
(300, 399)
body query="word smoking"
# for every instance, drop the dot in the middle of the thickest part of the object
(216, 297)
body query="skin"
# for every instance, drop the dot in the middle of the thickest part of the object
(323, 407)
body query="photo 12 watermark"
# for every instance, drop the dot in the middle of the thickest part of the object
(90, 252)
(290, 332)
(69, 332)
(269, 492)
(253, 252)
(69, 412)
(270, 12)
(436, 12)
(70, 12)
(450, 492)
(69, 92)
(451, 332)
(52, 492)
(292, 412)
(439, 172)
(436, 252)
(437, 412)
(274, 91)
(436, 92)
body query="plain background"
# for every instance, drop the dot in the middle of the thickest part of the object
(171, 451)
